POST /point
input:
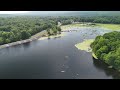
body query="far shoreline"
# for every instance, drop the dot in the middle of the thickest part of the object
(63, 27)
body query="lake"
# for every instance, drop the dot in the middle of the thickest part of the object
(55, 58)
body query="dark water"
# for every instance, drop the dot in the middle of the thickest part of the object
(55, 58)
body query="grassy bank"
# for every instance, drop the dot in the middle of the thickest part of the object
(110, 26)
(40, 34)
(85, 45)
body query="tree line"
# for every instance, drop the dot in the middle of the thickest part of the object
(107, 48)
(19, 28)
(23, 27)
(94, 19)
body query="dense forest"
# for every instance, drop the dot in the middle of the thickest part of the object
(96, 19)
(23, 27)
(19, 28)
(107, 48)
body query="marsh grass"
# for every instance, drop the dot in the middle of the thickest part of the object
(110, 26)
(85, 45)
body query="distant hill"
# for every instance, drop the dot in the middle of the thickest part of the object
(66, 13)
(5, 15)
(75, 13)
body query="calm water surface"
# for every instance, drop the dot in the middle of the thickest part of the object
(55, 58)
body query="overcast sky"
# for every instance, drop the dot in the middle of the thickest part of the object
(12, 12)
(43, 12)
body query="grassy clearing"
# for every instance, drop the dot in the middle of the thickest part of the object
(85, 45)
(110, 26)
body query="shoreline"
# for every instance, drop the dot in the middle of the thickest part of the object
(94, 56)
(32, 38)
(37, 36)
(42, 33)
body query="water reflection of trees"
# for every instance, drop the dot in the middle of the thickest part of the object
(14, 48)
(48, 37)
(54, 37)
(26, 45)
(20, 47)
(109, 72)
(57, 37)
